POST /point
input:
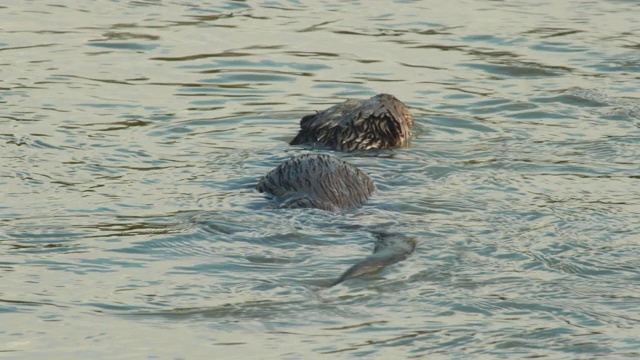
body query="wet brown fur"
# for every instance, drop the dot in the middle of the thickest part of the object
(318, 181)
(380, 122)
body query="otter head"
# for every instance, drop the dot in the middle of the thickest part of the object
(381, 122)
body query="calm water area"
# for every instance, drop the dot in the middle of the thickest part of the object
(133, 133)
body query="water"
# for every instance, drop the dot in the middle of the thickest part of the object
(132, 134)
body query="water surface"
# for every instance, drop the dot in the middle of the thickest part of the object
(132, 134)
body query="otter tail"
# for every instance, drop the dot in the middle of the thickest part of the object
(390, 249)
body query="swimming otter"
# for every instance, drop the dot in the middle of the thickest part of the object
(380, 122)
(325, 182)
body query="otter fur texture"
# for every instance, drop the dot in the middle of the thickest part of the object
(317, 181)
(380, 122)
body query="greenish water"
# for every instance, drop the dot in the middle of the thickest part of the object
(132, 134)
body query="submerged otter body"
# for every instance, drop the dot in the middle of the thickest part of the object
(380, 122)
(326, 182)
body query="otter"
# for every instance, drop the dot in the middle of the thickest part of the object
(380, 122)
(325, 182)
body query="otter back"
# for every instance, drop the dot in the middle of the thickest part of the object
(317, 181)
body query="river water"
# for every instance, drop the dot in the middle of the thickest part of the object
(132, 134)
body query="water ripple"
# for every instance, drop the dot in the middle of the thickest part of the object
(133, 135)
